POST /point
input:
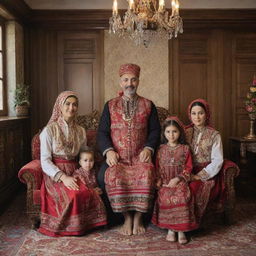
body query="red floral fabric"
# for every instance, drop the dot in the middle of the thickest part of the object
(212, 191)
(34, 169)
(174, 207)
(129, 184)
(69, 212)
(35, 147)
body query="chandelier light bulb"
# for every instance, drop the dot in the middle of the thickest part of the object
(131, 4)
(161, 5)
(115, 10)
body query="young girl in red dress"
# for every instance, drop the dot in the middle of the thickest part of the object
(174, 206)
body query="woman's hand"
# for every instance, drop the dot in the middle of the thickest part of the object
(173, 182)
(69, 182)
(145, 155)
(195, 177)
(112, 158)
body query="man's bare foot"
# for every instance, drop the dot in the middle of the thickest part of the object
(182, 238)
(171, 236)
(126, 229)
(138, 227)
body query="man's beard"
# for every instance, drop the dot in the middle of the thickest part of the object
(130, 92)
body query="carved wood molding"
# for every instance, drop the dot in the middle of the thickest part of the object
(99, 19)
(18, 9)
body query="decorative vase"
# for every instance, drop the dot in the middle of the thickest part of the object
(251, 135)
(21, 110)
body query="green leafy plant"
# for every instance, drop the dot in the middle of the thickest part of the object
(21, 95)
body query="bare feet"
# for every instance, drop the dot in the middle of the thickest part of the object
(171, 236)
(138, 227)
(182, 238)
(126, 229)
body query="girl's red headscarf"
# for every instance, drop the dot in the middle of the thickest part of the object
(177, 120)
(207, 111)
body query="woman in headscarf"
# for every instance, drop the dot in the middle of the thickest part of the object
(66, 207)
(209, 167)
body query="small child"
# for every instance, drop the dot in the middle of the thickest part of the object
(174, 206)
(86, 175)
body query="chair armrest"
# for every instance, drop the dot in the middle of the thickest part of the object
(229, 170)
(31, 174)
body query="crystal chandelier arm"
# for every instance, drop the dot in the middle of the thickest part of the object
(146, 19)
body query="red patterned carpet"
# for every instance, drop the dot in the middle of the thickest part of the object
(16, 238)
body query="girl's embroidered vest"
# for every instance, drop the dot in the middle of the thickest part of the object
(129, 136)
(172, 161)
(204, 151)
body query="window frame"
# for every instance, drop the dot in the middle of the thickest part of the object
(2, 24)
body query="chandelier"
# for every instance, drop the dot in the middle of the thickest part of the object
(146, 19)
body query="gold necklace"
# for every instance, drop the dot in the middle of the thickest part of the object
(129, 108)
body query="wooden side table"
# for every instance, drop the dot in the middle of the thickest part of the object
(244, 146)
(243, 153)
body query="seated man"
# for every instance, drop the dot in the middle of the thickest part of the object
(128, 134)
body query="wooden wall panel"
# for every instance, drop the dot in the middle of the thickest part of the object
(78, 78)
(193, 84)
(190, 71)
(79, 60)
(56, 59)
(43, 76)
(198, 72)
(218, 65)
(243, 70)
(14, 153)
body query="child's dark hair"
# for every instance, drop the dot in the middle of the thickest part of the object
(86, 151)
(197, 103)
(182, 137)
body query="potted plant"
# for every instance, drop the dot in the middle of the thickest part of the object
(21, 99)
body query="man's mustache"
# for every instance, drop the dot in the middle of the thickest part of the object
(130, 86)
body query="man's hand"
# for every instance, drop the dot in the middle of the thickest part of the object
(112, 158)
(69, 182)
(145, 155)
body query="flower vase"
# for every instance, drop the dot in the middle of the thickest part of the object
(251, 135)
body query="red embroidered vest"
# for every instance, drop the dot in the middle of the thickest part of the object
(129, 136)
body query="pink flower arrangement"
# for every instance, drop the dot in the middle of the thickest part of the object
(250, 102)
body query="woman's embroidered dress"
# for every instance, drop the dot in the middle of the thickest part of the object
(64, 211)
(174, 207)
(201, 142)
(206, 148)
(129, 184)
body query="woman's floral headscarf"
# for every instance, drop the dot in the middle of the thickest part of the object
(70, 144)
(56, 112)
